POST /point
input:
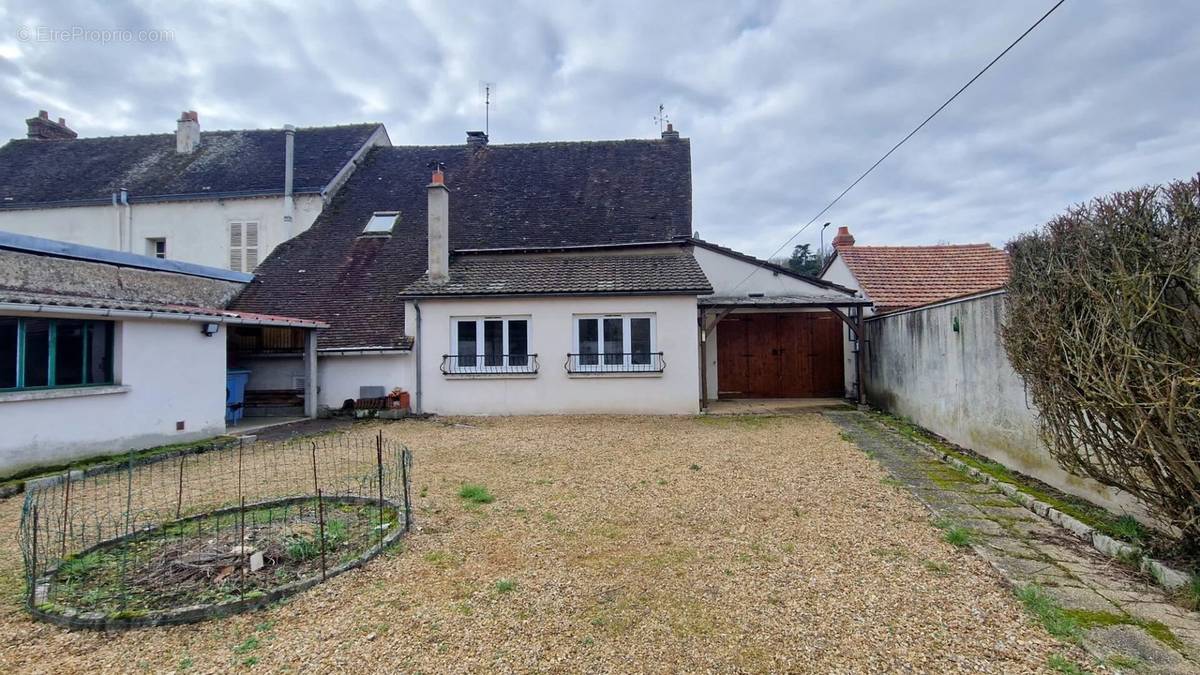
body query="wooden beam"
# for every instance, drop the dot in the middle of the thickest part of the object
(845, 319)
(860, 358)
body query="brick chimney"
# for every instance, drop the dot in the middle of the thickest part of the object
(439, 225)
(670, 134)
(42, 128)
(843, 238)
(187, 132)
(476, 140)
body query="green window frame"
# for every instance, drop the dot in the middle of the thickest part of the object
(88, 376)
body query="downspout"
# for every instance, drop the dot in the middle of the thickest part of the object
(703, 362)
(289, 203)
(417, 354)
(117, 222)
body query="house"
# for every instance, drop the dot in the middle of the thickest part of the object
(103, 351)
(215, 198)
(896, 278)
(539, 278)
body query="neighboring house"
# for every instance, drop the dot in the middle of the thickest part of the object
(103, 351)
(538, 278)
(217, 198)
(895, 278)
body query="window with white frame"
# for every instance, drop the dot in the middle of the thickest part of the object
(490, 345)
(614, 343)
(156, 247)
(243, 245)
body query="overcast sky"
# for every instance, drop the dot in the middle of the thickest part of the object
(785, 103)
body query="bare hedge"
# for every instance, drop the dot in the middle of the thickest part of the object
(1104, 325)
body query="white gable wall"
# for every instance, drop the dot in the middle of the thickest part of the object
(196, 231)
(725, 272)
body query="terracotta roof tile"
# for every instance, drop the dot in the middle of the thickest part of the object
(898, 277)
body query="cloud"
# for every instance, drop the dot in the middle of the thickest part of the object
(785, 102)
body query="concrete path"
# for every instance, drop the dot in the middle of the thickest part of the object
(1125, 623)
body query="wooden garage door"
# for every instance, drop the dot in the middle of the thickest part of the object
(780, 355)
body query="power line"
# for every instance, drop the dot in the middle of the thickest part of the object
(905, 139)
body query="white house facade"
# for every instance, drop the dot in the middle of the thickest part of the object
(220, 199)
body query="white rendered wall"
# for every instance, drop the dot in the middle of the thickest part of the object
(173, 372)
(553, 391)
(338, 376)
(196, 231)
(725, 272)
(961, 386)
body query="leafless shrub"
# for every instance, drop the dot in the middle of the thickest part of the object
(1104, 325)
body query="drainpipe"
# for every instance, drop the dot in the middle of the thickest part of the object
(703, 363)
(289, 204)
(127, 232)
(117, 222)
(417, 355)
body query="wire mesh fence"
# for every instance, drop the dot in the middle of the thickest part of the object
(196, 535)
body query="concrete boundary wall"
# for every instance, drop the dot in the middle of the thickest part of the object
(943, 366)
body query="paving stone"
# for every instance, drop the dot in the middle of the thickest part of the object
(1132, 641)
(1013, 513)
(1172, 616)
(1082, 598)
(1010, 546)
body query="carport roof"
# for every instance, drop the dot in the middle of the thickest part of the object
(783, 301)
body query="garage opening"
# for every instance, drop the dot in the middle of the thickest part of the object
(780, 355)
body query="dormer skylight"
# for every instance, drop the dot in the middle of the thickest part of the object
(381, 222)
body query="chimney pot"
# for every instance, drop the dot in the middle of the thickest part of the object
(843, 238)
(476, 139)
(670, 134)
(43, 114)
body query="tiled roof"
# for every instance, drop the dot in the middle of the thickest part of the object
(897, 277)
(8, 296)
(501, 196)
(587, 274)
(89, 170)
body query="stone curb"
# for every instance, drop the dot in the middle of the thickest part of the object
(1167, 577)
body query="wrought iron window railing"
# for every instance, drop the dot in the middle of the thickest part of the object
(635, 362)
(489, 364)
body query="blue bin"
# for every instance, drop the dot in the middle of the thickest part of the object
(235, 394)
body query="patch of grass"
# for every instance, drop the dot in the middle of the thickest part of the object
(505, 585)
(1061, 664)
(1093, 619)
(302, 548)
(1189, 595)
(1125, 662)
(1056, 621)
(955, 534)
(937, 567)
(694, 467)
(1129, 529)
(476, 494)
(250, 661)
(186, 663)
(248, 645)
(264, 626)
(441, 559)
(549, 517)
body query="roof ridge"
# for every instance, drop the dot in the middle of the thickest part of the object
(921, 246)
(205, 131)
(532, 144)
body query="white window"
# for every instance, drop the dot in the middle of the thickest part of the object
(381, 222)
(156, 247)
(614, 343)
(489, 345)
(243, 245)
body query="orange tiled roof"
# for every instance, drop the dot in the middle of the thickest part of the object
(898, 277)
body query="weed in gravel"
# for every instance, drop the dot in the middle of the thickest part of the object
(250, 661)
(694, 467)
(1061, 664)
(937, 567)
(186, 663)
(505, 585)
(441, 559)
(1124, 662)
(955, 534)
(424, 491)
(1056, 621)
(265, 626)
(549, 517)
(476, 494)
(248, 645)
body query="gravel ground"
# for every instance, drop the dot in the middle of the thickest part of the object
(622, 544)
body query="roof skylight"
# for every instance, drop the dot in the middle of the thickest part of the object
(381, 222)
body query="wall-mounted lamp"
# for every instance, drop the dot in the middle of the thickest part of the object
(209, 329)
(956, 326)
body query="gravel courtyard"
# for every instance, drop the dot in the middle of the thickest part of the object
(613, 544)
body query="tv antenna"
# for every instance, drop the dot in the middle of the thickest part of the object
(486, 89)
(662, 117)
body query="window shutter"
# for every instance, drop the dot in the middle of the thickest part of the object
(235, 247)
(251, 246)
